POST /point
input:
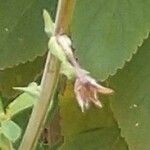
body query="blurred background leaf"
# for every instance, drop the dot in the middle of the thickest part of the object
(22, 36)
(131, 102)
(98, 139)
(107, 33)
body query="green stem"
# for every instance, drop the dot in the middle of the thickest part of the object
(49, 81)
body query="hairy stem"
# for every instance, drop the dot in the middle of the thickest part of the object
(49, 80)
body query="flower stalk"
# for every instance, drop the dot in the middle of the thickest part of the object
(49, 80)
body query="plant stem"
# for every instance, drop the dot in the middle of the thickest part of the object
(49, 80)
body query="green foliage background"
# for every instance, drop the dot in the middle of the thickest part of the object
(105, 35)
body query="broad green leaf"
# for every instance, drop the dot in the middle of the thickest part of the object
(11, 130)
(107, 32)
(22, 102)
(22, 36)
(131, 102)
(98, 139)
(73, 121)
(5, 144)
(20, 75)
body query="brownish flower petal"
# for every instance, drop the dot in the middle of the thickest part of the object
(86, 89)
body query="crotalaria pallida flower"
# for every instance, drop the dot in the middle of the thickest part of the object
(86, 90)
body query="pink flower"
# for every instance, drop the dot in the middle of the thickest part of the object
(86, 89)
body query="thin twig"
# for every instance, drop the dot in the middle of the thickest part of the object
(49, 80)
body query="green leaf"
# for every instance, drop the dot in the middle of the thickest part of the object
(22, 36)
(20, 75)
(5, 144)
(11, 130)
(98, 139)
(22, 102)
(107, 32)
(131, 102)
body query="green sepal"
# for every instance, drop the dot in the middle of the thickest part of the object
(56, 50)
(33, 89)
(48, 23)
(68, 70)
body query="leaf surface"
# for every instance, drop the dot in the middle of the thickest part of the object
(11, 130)
(131, 102)
(22, 36)
(106, 33)
(99, 139)
(22, 102)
